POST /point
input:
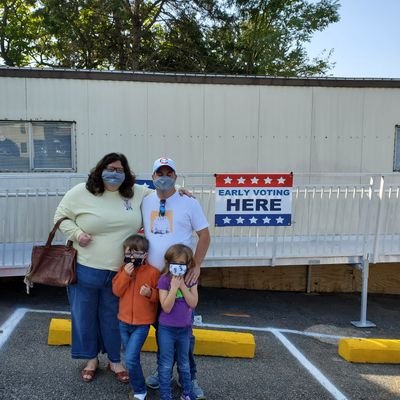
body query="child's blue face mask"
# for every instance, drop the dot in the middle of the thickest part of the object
(177, 269)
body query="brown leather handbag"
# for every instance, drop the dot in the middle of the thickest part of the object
(52, 265)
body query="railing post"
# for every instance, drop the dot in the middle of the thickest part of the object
(363, 323)
(378, 220)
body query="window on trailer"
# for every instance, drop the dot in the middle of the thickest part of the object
(37, 146)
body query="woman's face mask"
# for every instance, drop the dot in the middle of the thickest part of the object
(164, 183)
(113, 178)
(177, 269)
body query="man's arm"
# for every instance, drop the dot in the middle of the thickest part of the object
(201, 250)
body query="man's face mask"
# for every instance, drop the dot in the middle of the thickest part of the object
(135, 257)
(177, 269)
(164, 183)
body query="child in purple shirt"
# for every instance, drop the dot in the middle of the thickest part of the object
(175, 320)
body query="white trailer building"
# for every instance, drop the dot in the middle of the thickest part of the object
(338, 136)
(64, 120)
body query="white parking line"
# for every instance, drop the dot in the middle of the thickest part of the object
(8, 327)
(312, 369)
(268, 329)
(278, 333)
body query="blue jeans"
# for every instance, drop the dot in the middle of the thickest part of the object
(192, 361)
(133, 338)
(94, 308)
(173, 340)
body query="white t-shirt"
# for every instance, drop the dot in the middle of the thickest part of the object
(183, 215)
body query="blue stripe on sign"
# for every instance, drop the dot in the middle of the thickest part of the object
(253, 220)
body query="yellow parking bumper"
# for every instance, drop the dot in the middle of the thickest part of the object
(208, 342)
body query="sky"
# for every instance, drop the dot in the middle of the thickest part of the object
(365, 42)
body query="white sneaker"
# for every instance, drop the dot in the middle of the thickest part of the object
(138, 396)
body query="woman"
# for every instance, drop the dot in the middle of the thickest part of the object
(102, 213)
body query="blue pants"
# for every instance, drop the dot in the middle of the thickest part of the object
(94, 308)
(192, 362)
(133, 338)
(174, 342)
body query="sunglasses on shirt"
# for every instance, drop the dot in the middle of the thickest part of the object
(162, 208)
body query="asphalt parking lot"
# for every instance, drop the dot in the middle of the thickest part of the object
(296, 348)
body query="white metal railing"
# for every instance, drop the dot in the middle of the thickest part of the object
(341, 222)
(336, 218)
(332, 223)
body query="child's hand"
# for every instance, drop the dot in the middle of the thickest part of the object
(182, 284)
(145, 290)
(129, 268)
(176, 282)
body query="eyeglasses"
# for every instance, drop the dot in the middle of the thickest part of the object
(162, 208)
(113, 169)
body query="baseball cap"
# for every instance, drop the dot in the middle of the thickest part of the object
(160, 162)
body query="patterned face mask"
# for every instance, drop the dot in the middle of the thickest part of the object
(177, 269)
(137, 258)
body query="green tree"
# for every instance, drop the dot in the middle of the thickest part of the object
(120, 34)
(75, 34)
(268, 37)
(19, 30)
(168, 34)
(264, 37)
(182, 47)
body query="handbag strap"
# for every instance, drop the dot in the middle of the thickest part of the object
(54, 230)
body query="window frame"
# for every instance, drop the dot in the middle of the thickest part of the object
(29, 129)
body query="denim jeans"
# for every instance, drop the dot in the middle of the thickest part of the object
(192, 361)
(171, 340)
(133, 338)
(94, 308)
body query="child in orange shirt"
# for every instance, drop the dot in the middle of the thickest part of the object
(135, 284)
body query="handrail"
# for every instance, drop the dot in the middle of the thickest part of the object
(332, 221)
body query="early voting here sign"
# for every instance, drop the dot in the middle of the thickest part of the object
(253, 199)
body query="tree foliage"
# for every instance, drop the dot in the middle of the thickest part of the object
(264, 37)
(268, 37)
(18, 31)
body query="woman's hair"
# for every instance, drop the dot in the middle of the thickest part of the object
(137, 242)
(176, 251)
(95, 182)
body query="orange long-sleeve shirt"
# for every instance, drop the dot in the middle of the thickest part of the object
(134, 308)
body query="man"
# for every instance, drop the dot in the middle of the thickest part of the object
(169, 219)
